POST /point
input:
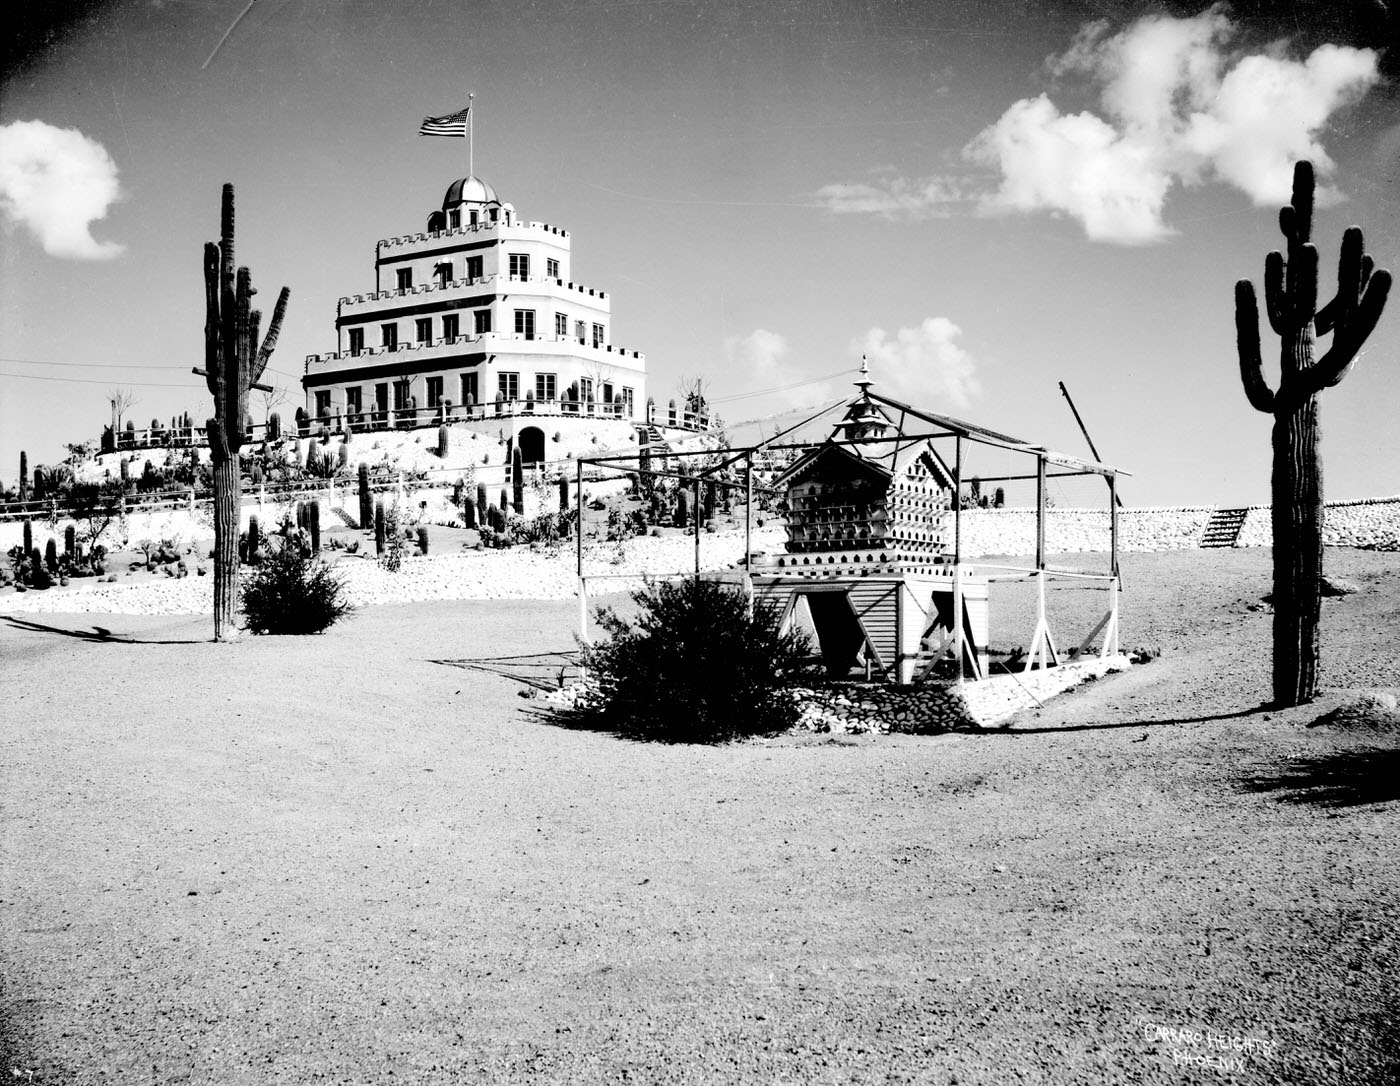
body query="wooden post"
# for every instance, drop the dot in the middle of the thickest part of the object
(748, 529)
(695, 487)
(578, 549)
(957, 562)
(1113, 528)
(1039, 512)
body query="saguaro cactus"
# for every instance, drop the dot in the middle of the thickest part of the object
(233, 362)
(366, 502)
(517, 482)
(379, 528)
(1290, 296)
(23, 476)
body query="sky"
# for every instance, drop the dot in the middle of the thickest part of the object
(985, 198)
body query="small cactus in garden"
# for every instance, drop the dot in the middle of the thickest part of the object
(23, 476)
(344, 455)
(254, 538)
(366, 502)
(423, 538)
(313, 523)
(481, 502)
(379, 528)
(125, 467)
(70, 541)
(28, 536)
(468, 513)
(303, 422)
(563, 493)
(51, 556)
(517, 481)
(681, 511)
(274, 426)
(709, 500)
(505, 501)
(442, 443)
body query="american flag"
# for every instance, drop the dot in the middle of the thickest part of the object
(454, 124)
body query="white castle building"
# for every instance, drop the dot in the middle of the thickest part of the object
(479, 316)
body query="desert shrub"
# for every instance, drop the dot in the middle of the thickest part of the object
(292, 593)
(692, 667)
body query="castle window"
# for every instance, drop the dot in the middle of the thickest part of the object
(323, 403)
(508, 384)
(597, 335)
(481, 321)
(401, 395)
(443, 272)
(405, 277)
(357, 340)
(561, 325)
(551, 268)
(607, 393)
(585, 389)
(454, 218)
(434, 391)
(469, 388)
(354, 400)
(545, 386)
(423, 328)
(494, 213)
(473, 265)
(450, 328)
(389, 336)
(627, 402)
(520, 265)
(580, 329)
(525, 323)
(474, 218)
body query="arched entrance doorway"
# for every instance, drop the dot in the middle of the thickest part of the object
(531, 441)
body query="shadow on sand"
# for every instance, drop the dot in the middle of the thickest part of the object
(1164, 722)
(1339, 778)
(99, 634)
(537, 670)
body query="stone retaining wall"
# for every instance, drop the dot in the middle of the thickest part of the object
(1370, 524)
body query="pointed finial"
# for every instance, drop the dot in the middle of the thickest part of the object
(864, 382)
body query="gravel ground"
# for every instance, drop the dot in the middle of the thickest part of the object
(360, 857)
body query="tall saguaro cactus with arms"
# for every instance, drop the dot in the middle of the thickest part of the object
(233, 362)
(1290, 296)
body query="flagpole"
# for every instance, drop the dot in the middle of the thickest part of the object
(471, 137)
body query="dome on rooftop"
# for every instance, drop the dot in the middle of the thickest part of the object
(470, 189)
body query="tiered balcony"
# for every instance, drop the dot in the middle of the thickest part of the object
(449, 352)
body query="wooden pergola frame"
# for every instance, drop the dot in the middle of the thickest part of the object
(1042, 650)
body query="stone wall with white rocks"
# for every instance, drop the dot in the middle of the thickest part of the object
(1370, 523)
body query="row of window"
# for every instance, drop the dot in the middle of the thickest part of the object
(481, 323)
(507, 384)
(442, 273)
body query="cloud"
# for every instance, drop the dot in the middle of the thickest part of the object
(760, 371)
(892, 198)
(56, 182)
(1178, 108)
(923, 366)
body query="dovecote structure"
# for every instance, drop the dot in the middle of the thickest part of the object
(868, 565)
(478, 315)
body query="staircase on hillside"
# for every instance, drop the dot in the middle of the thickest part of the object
(1223, 528)
(656, 441)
